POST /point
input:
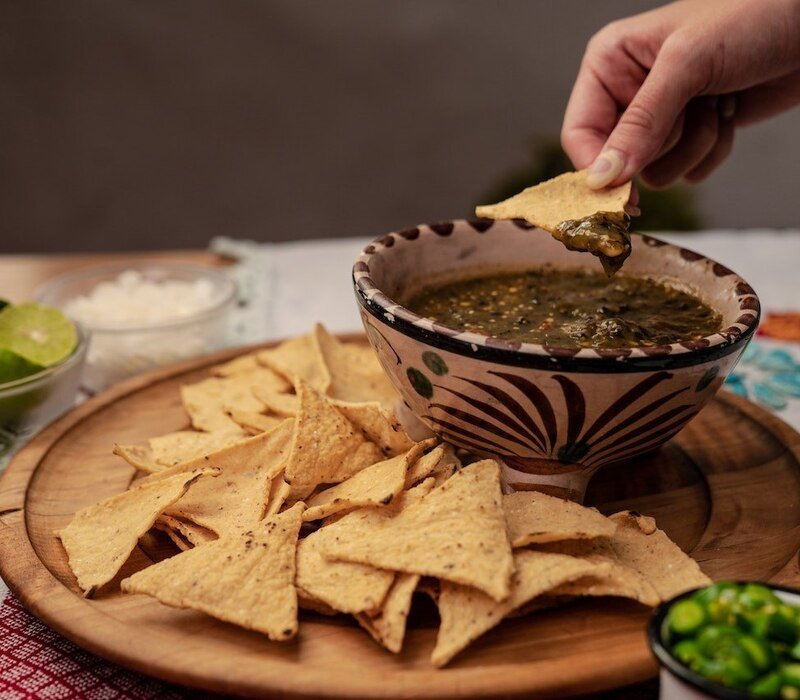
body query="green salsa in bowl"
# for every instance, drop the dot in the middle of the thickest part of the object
(729, 640)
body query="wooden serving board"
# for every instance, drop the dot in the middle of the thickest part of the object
(727, 490)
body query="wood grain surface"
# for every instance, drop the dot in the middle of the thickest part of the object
(727, 490)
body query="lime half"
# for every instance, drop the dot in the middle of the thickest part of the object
(13, 367)
(40, 335)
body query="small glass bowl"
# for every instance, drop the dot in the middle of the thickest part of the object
(30, 403)
(118, 351)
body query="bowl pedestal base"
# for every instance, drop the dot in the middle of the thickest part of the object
(561, 479)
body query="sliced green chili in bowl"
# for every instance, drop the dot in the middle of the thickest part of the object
(732, 640)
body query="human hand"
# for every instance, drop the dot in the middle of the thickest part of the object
(661, 93)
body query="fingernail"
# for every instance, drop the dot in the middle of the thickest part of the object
(632, 210)
(605, 169)
(727, 106)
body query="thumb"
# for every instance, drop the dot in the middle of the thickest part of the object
(647, 122)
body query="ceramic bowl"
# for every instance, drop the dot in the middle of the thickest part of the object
(553, 415)
(678, 682)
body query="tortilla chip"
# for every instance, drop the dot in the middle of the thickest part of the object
(140, 457)
(467, 613)
(175, 448)
(207, 401)
(298, 357)
(281, 404)
(193, 533)
(326, 448)
(177, 539)
(239, 499)
(183, 445)
(343, 586)
(278, 493)
(611, 580)
(252, 422)
(100, 538)
(387, 624)
(376, 485)
(564, 197)
(441, 461)
(238, 365)
(356, 374)
(613, 577)
(434, 537)
(313, 604)
(378, 424)
(245, 578)
(536, 517)
(641, 546)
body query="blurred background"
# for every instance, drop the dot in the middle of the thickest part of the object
(161, 124)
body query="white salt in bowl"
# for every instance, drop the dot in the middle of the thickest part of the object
(143, 315)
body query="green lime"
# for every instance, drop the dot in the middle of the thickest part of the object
(13, 367)
(39, 334)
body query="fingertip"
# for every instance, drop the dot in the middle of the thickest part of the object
(581, 147)
(605, 169)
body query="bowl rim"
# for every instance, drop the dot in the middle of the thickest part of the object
(58, 282)
(75, 357)
(515, 353)
(667, 661)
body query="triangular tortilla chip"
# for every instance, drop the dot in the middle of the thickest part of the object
(561, 206)
(245, 578)
(467, 613)
(207, 401)
(327, 448)
(238, 365)
(378, 424)
(307, 603)
(183, 445)
(99, 539)
(434, 538)
(356, 374)
(278, 493)
(375, 485)
(614, 581)
(564, 197)
(641, 546)
(177, 538)
(140, 457)
(252, 422)
(343, 586)
(278, 403)
(441, 460)
(238, 500)
(613, 577)
(536, 517)
(298, 357)
(193, 533)
(387, 624)
(175, 448)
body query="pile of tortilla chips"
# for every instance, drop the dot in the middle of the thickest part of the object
(297, 488)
